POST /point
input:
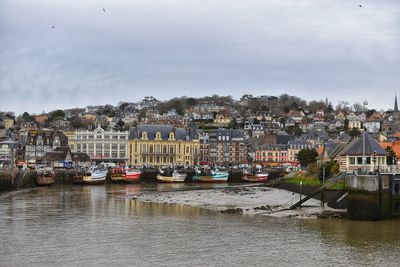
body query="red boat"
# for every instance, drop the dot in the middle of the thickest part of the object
(257, 176)
(118, 174)
(132, 175)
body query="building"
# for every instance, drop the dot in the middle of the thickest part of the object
(163, 145)
(204, 157)
(62, 157)
(228, 146)
(8, 123)
(294, 146)
(272, 153)
(101, 145)
(391, 124)
(350, 158)
(36, 143)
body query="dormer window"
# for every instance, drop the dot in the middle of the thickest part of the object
(158, 136)
(144, 135)
(171, 136)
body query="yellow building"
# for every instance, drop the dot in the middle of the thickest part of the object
(71, 140)
(8, 123)
(163, 145)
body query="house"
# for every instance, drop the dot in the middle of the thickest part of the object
(372, 126)
(269, 153)
(350, 158)
(163, 145)
(294, 146)
(8, 123)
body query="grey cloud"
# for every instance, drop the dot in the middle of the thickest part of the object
(313, 49)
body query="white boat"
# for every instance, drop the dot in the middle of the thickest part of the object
(173, 178)
(95, 176)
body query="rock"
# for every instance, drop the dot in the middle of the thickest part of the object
(232, 210)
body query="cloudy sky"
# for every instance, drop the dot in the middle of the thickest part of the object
(309, 48)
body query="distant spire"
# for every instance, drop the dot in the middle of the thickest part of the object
(396, 108)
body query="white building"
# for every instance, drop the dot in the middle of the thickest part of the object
(103, 145)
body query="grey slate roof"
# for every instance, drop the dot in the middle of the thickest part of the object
(164, 129)
(355, 147)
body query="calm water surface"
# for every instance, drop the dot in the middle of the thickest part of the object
(99, 226)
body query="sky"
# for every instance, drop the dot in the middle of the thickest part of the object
(65, 54)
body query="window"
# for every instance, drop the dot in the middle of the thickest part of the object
(122, 147)
(91, 137)
(144, 148)
(99, 137)
(106, 137)
(151, 151)
(122, 137)
(115, 137)
(359, 161)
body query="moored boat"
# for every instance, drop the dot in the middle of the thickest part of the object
(132, 175)
(94, 176)
(118, 174)
(174, 177)
(211, 177)
(45, 176)
(257, 176)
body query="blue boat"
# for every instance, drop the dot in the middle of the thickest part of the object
(212, 177)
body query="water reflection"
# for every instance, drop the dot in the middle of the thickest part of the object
(98, 225)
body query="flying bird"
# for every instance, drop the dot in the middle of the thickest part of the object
(360, 5)
(104, 10)
(52, 27)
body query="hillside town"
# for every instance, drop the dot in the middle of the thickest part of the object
(216, 130)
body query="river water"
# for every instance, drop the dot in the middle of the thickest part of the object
(99, 226)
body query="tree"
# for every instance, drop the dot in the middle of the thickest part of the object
(307, 156)
(57, 114)
(331, 168)
(354, 132)
(392, 158)
(27, 117)
(76, 122)
(294, 130)
(119, 125)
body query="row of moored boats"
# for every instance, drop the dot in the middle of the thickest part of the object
(98, 175)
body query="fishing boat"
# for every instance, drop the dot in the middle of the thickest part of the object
(211, 176)
(45, 176)
(95, 175)
(171, 176)
(132, 174)
(255, 176)
(118, 174)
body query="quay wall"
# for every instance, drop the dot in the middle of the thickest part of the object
(369, 197)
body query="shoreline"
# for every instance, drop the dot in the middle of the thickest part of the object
(242, 199)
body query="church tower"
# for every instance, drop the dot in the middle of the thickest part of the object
(396, 113)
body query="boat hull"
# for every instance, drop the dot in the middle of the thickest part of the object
(45, 180)
(90, 180)
(255, 178)
(210, 178)
(132, 176)
(171, 179)
(96, 177)
(118, 177)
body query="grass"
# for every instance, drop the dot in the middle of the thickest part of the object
(312, 181)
